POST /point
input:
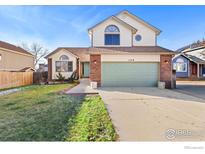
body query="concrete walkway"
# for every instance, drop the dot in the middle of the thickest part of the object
(82, 88)
(148, 114)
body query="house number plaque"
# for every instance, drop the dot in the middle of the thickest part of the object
(131, 60)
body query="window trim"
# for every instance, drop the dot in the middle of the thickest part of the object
(112, 41)
(106, 33)
(175, 66)
(118, 30)
(71, 68)
(61, 59)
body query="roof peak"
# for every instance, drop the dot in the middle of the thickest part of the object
(10, 46)
(116, 19)
(140, 20)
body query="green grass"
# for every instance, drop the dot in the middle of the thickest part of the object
(92, 123)
(39, 113)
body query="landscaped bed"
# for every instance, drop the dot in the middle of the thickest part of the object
(41, 113)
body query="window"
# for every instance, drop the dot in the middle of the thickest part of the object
(63, 65)
(112, 35)
(138, 37)
(111, 29)
(112, 39)
(63, 57)
(180, 65)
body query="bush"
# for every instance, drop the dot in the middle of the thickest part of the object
(60, 77)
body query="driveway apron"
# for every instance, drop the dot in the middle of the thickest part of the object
(149, 114)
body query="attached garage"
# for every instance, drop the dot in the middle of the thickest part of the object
(126, 74)
(131, 66)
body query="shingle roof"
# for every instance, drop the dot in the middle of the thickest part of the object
(83, 53)
(136, 49)
(26, 69)
(9, 46)
(141, 20)
(191, 47)
(194, 59)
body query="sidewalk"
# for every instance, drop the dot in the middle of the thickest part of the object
(82, 88)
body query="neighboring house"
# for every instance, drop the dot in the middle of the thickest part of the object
(123, 52)
(42, 68)
(13, 58)
(190, 63)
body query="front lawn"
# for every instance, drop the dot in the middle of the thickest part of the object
(40, 113)
(92, 122)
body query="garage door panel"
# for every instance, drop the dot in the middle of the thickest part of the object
(130, 74)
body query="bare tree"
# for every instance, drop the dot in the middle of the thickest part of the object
(37, 50)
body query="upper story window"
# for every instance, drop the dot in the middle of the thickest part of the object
(111, 29)
(138, 37)
(112, 35)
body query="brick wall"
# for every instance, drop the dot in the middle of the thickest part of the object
(95, 68)
(166, 70)
(49, 69)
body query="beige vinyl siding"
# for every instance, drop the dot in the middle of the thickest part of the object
(55, 57)
(99, 32)
(14, 60)
(148, 35)
(129, 57)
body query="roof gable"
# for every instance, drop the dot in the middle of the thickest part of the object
(12, 47)
(134, 30)
(191, 58)
(158, 31)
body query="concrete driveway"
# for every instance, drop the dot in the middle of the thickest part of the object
(194, 88)
(151, 114)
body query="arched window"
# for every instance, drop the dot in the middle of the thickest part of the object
(112, 35)
(63, 57)
(112, 29)
(64, 65)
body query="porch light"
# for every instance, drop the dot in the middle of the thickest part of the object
(0, 57)
(166, 62)
(95, 62)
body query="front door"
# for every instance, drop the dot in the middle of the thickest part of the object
(203, 70)
(86, 69)
(194, 69)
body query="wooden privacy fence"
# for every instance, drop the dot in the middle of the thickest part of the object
(40, 77)
(15, 79)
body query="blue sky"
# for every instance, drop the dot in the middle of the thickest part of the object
(55, 26)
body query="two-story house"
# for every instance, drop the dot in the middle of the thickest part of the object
(13, 58)
(123, 52)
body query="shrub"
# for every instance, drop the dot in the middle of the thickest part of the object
(60, 77)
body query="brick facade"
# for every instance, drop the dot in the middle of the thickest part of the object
(49, 69)
(95, 68)
(166, 70)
